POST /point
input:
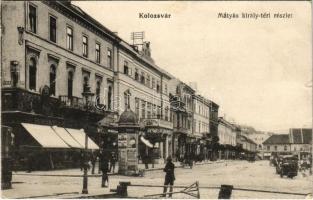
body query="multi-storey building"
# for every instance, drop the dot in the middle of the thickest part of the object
(182, 111)
(143, 86)
(301, 142)
(227, 137)
(54, 52)
(276, 144)
(297, 142)
(201, 124)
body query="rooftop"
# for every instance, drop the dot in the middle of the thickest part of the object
(278, 139)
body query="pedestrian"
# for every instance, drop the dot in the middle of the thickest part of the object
(81, 160)
(30, 162)
(104, 168)
(112, 162)
(169, 176)
(93, 162)
(99, 159)
(146, 160)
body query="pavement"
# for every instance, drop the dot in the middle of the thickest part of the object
(67, 183)
(241, 174)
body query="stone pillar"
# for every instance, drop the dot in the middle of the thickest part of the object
(161, 149)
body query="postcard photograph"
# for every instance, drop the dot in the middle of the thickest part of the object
(156, 99)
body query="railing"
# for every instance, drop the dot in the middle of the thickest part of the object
(72, 102)
(16, 99)
(79, 104)
(193, 190)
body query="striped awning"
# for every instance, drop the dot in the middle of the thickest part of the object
(45, 136)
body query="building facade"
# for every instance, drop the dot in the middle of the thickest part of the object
(55, 52)
(278, 144)
(201, 125)
(297, 142)
(227, 138)
(143, 86)
(301, 142)
(182, 113)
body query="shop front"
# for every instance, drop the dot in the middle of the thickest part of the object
(161, 141)
(158, 134)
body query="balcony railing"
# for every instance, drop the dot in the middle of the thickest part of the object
(72, 102)
(16, 99)
(79, 104)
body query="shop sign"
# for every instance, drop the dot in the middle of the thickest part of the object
(151, 122)
(158, 130)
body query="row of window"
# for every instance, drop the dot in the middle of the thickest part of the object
(70, 78)
(144, 109)
(275, 148)
(144, 78)
(201, 109)
(181, 121)
(285, 148)
(69, 36)
(200, 127)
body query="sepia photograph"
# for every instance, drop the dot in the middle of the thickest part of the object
(156, 99)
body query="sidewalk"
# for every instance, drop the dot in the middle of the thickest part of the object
(68, 183)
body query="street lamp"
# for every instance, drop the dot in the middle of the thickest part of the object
(87, 94)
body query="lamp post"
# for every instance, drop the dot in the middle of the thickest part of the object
(87, 94)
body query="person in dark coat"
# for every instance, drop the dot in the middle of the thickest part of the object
(30, 162)
(169, 176)
(105, 168)
(99, 156)
(81, 160)
(112, 161)
(93, 162)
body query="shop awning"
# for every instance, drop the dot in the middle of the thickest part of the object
(45, 136)
(79, 136)
(146, 142)
(66, 137)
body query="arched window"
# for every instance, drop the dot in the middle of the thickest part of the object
(52, 79)
(70, 78)
(98, 89)
(32, 73)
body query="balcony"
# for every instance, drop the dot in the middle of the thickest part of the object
(156, 122)
(72, 102)
(76, 103)
(17, 99)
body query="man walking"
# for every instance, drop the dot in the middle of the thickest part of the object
(112, 162)
(104, 168)
(93, 162)
(169, 176)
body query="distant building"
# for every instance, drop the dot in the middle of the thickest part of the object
(301, 141)
(227, 137)
(276, 144)
(201, 124)
(297, 142)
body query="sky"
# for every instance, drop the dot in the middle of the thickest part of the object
(257, 70)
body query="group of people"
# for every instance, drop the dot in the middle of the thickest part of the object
(107, 162)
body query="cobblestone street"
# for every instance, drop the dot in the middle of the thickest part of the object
(240, 174)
